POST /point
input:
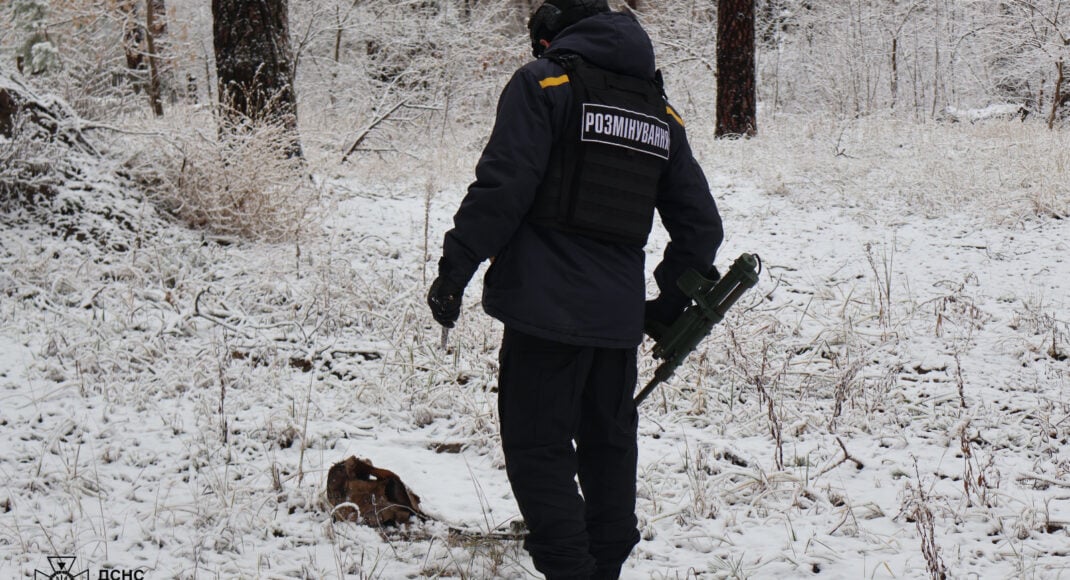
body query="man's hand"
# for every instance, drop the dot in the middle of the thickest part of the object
(658, 318)
(444, 298)
(659, 314)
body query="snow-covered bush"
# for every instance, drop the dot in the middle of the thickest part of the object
(88, 52)
(53, 173)
(242, 185)
(442, 65)
(871, 56)
(37, 144)
(36, 54)
(27, 165)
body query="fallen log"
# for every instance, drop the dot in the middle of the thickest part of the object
(43, 117)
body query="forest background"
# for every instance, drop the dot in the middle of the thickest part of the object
(196, 322)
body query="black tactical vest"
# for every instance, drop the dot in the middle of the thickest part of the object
(602, 180)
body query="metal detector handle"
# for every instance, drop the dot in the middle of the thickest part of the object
(710, 302)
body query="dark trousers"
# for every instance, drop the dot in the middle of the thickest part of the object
(551, 395)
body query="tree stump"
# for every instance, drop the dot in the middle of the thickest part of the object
(49, 119)
(8, 110)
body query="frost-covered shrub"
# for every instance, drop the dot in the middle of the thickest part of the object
(56, 175)
(78, 50)
(37, 141)
(445, 61)
(242, 185)
(37, 54)
(27, 165)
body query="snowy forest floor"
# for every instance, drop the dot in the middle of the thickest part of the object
(892, 400)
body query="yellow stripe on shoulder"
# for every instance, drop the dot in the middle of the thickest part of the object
(671, 112)
(553, 81)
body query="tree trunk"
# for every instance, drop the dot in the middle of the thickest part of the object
(153, 28)
(736, 94)
(254, 64)
(895, 70)
(1059, 99)
(143, 43)
(9, 109)
(133, 35)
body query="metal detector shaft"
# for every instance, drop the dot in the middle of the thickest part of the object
(649, 388)
(710, 302)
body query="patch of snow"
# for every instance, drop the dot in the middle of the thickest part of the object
(174, 405)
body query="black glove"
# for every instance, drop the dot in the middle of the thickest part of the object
(663, 311)
(657, 318)
(444, 298)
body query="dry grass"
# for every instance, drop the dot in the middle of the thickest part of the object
(243, 185)
(1012, 169)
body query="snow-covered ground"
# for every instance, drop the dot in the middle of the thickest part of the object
(897, 385)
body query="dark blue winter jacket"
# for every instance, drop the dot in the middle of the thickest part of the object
(556, 285)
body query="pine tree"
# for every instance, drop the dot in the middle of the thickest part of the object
(736, 94)
(254, 63)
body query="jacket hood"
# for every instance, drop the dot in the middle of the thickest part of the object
(613, 40)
